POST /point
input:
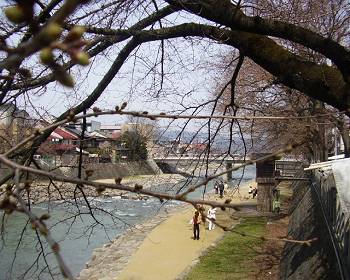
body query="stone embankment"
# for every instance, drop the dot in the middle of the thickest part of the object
(41, 191)
(108, 261)
(317, 261)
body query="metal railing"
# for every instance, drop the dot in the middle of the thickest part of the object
(336, 218)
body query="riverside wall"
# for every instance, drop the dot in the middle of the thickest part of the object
(121, 169)
(313, 262)
(105, 170)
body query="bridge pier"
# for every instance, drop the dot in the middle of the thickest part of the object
(265, 196)
(229, 174)
(265, 178)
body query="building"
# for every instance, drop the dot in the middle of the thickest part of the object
(15, 125)
(111, 131)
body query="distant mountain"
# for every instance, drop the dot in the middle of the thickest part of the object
(221, 142)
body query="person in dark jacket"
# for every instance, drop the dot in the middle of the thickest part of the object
(196, 223)
(221, 189)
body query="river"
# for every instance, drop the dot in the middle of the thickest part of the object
(78, 235)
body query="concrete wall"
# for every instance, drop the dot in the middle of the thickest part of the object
(306, 221)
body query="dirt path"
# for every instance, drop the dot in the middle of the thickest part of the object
(169, 249)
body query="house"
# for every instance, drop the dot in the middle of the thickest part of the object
(111, 131)
(15, 125)
(60, 148)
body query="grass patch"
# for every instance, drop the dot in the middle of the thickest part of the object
(229, 259)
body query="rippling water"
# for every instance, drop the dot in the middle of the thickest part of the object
(77, 234)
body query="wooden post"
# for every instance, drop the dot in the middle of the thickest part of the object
(265, 178)
(229, 174)
(265, 197)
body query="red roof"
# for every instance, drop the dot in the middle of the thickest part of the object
(65, 134)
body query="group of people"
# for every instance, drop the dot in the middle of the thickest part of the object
(219, 187)
(253, 191)
(197, 220)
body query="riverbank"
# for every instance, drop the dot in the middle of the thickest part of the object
(45, 191)
(108, 261)
(166, 238)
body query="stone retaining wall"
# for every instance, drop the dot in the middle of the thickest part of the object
(306, 222)
(105, 170)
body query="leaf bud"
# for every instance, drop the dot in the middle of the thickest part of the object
(63, 77)
(15, 14)
(25, 73)
(37, 132)
(53, 31)
(123, 106)
(43, 230)
(46, 56)
(45, 217)
(75, 33)
(96, 110)
(55, 247)
(82, 58)
(71, 116)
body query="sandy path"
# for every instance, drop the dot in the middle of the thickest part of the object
(169, 248)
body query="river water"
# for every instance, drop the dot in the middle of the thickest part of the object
(77, 232)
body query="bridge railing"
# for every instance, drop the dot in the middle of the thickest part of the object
(337, 219)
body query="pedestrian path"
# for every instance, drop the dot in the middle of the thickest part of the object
(169, 249)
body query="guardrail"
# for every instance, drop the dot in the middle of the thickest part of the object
(337, 220)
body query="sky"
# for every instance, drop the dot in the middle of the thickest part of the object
(189, 80)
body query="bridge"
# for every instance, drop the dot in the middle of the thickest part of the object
(229, 161)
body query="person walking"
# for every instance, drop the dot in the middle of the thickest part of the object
(221, 189)
(212, 216)
(196, 223)
(216, 187)
(250, 191)
(255, 192)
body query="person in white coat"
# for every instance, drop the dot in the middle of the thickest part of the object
(212, 215)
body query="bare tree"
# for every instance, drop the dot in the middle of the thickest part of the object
(43, 42)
